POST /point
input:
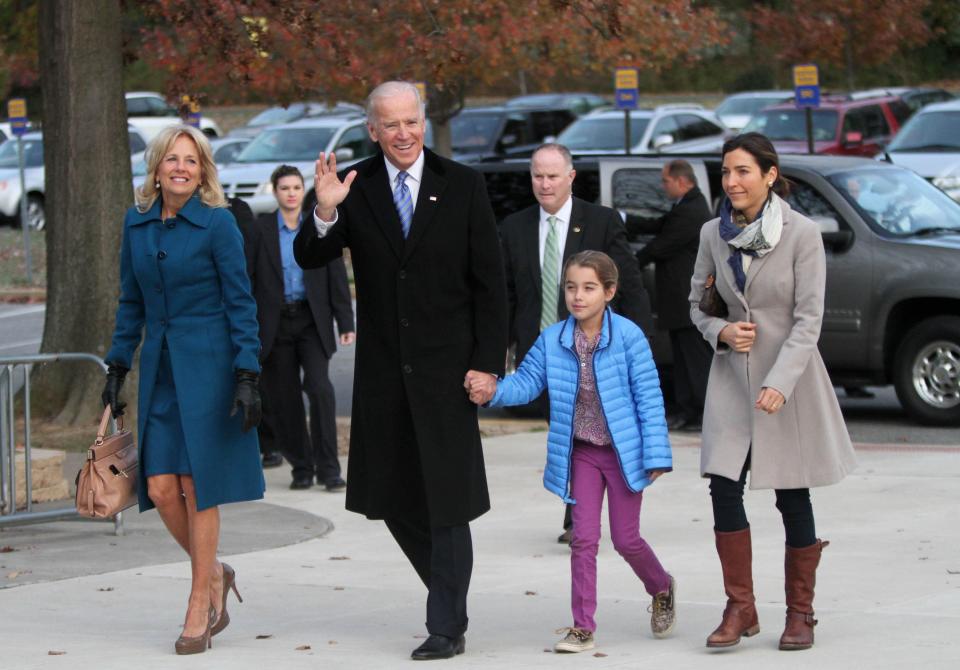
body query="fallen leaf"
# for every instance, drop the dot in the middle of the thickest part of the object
(264, 636)
(338, 588)
(548, 651)
(953, 572)
(600, 654)
(538, 555)
(303, 647)
(306, 566)
(13, 575)
(339, 558)
(106, 588)
(6, 550)
(530, 593)
(331, 641)
(56, 653)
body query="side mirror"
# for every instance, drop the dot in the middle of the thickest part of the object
(853, 139)
(344, 154)
(508, 140)
(833, 237)
(661, 141)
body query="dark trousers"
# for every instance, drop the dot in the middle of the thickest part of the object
(297, 346)
(692, 357)
(443, 559)
(794, 505)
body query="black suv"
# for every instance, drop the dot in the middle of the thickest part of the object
(494, 133)
(892, 312)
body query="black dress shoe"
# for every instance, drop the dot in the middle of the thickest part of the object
(565, 536)
(335, 485)
(272, 460)
(439, 646)
(301, 482)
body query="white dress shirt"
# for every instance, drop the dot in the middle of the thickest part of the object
(563, 225)
(414, 177)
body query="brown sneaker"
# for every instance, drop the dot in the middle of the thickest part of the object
(663, 611)
(576, 640)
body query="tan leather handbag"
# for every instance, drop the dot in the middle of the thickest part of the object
(107, 482)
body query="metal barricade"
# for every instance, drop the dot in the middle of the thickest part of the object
(14, 378)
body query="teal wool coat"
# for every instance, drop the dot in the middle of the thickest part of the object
(185, 280)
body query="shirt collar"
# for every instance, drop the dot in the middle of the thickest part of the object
(563, 214)
(414, 172)
(283, 226)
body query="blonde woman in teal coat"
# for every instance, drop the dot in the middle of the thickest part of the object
(184, 291)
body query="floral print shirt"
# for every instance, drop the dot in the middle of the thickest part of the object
(589, 424)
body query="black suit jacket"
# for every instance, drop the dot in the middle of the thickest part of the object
(429, 308)
(674, 250)
(327, 289)
(592, 227)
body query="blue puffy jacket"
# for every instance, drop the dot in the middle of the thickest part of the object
(629, 390)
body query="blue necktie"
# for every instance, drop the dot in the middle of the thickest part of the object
(403, 202)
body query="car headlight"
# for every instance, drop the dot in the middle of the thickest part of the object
(266, 188)
(947, 183)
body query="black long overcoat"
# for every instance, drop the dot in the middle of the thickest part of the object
(429, 308)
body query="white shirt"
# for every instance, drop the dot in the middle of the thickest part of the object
(563, 225)
(414, 177)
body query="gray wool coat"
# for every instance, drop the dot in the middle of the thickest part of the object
(805, 444)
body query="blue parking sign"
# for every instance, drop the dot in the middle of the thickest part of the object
(17, 115)
(807, 96)
(627, 90)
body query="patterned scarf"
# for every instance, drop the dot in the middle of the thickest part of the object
(757, 238)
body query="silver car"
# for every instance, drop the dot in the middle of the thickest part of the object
(297, 144)
(735, 110)
(929, 144)
(677, 128)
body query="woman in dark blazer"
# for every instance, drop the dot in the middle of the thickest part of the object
(184, 290)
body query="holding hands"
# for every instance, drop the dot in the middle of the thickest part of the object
(481, 386)
(329, 189)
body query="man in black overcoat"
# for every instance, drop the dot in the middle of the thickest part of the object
(579, 226)
(296, 310)
(431, 307)
(674, 251)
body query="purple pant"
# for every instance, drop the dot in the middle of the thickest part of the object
(595, 469)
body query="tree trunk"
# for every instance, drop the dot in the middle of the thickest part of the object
(88, 187)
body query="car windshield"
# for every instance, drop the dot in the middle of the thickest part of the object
(898, 201)
(602, 134)
(140, 168)
(473, 131)
(933, 131)
(32, 153)
(286, 144)
(791, 124)
(748, 106)
(276, 115)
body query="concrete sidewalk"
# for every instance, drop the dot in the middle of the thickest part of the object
(888, 592)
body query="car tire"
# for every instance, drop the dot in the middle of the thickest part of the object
(36, 215)
(926, 371)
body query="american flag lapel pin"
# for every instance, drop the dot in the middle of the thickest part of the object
(577, 229)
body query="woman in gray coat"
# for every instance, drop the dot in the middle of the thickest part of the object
(770, 406)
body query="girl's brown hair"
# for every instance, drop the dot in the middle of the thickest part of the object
(599, 262)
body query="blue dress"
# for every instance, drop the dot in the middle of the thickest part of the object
(184, 291)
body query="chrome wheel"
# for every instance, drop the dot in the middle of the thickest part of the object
(36, 217)
(936, 374)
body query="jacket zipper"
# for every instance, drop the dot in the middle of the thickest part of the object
(603, 412)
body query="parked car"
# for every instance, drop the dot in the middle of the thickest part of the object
(578, 103)
(492, 133)
(6, 130)
(892, 243)
(294, 112)
(929, 144)
(915, 97)
(298, 144)
(737, 109)
(674, 128)
(33, 176)
(840, 125)
(149, 113)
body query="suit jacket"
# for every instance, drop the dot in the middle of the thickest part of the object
(674, 250)
(429, 308)
(592, 227)
(327, 289)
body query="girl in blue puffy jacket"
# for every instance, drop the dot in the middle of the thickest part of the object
(607, 432)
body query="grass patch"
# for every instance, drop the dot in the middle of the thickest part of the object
(13, 264)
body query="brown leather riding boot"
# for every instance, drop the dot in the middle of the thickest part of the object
(800, 569)
(740, 615)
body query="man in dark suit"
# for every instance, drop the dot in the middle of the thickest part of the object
(674, 251)
(431, 309)
(296, 309)
(538, 240)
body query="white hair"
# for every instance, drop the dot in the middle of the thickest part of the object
(390, 89)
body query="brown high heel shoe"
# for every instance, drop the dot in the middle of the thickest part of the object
(198, 644)
(229, 582)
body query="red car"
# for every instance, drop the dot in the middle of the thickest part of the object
(840, 125)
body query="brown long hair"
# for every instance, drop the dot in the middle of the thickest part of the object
(761, 148)
(599, 262)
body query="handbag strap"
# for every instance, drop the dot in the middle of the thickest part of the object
(104, 422)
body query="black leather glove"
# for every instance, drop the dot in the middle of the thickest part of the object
(111, 390)
(246, 398)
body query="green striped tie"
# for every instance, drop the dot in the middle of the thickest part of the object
(549, 274)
